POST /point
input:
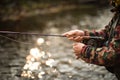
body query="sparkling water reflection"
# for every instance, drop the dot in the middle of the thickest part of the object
(38, 62)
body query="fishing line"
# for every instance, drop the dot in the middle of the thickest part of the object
(15, 40)
(27, 33)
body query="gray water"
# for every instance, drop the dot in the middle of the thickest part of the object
(54, 59)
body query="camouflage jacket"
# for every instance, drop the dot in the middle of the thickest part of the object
(104, 56)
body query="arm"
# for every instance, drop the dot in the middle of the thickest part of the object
(79, 35)
(101, 33)
(100, 56)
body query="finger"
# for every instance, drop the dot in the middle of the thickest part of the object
(70, 38)
(81, 38)
(71, 35)
(77, 55)
(75, 44)
(77, 39)
(65, 34)
(68, 33)
(75, 48)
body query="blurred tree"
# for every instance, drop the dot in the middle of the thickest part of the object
(16, 7)
(15, 10)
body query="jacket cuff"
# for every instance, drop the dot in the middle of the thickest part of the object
(86, 51)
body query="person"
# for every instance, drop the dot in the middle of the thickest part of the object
(102, 54)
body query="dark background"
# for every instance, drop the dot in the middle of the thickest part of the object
(13, 12)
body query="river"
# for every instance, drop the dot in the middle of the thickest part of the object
(51, 58)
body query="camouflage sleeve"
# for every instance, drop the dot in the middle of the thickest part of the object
(103, 32)
(100, 56)
(103, 55)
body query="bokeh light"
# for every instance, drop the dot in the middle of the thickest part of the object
(40, 41)
(38, 62)
(50, 62)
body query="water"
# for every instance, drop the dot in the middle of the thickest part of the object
(52, 58)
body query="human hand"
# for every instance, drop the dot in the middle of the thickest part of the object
(75, 35)
(77, 47)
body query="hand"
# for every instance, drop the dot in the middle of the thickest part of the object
(77, 47)
(75, 35)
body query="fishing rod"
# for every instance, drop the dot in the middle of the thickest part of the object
(38, 34)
